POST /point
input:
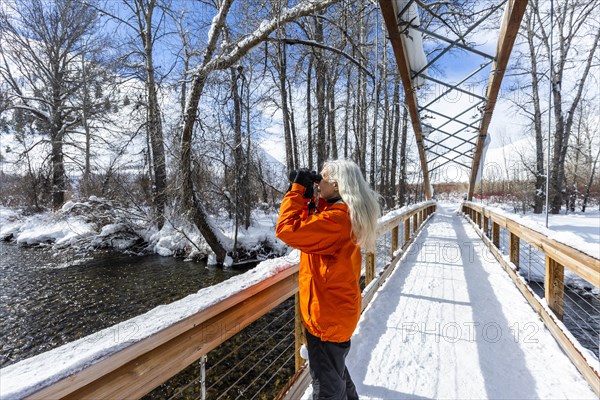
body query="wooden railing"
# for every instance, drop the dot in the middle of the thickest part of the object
(137, 365)
(558, 257)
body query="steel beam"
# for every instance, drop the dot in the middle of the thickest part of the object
(452, 87)
(455, 118)
(481, 67)
(454, 149)
(455, 42)
(508, 33)
(452, 42)
(448, 158)
(397, 41)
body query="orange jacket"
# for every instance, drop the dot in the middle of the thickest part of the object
(330, 263)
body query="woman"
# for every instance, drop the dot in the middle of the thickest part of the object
(330, 239)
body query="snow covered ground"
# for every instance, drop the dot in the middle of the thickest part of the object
(97, 222)
(450, 323)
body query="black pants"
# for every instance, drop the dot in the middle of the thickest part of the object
(327, 361)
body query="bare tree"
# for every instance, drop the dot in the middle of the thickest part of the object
(574, 20)
(43, 45)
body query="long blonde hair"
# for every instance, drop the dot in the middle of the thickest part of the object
(360, 198)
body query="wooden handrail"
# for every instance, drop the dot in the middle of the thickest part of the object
(558, 257)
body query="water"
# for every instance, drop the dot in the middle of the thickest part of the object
(48, 301)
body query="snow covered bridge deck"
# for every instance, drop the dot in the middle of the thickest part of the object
(450, 323)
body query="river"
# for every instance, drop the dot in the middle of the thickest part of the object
(47, 301)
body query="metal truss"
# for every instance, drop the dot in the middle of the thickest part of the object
(459, 137)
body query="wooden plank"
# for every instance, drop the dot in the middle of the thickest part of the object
(496, 235)
(369, 268)
(394, 240)
(389, 224)
(297, 385)
(486, 225)
(397, 41)
(514, 247)
(508, 33)
(137, 369)
(589, 372)
(554, 287)
(299, 333)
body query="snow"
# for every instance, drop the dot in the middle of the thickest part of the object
(414, 38)
(76, 222)
(450, 323)
(23, 378)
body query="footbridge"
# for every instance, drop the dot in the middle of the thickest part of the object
(447, 313)
(458, 302)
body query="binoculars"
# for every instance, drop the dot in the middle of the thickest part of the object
(314, 176)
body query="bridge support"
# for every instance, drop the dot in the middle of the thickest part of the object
(394, 241)
(496, 234)
(554, 286)
(300, 337)
(514, 249)
(369, 268)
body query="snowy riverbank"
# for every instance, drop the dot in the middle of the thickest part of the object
(98, 223)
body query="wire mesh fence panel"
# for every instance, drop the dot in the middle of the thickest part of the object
(384, 251)
(254, 363)
(504, 241)
(581, 305)
(532, 267)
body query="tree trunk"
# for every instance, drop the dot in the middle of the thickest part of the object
(373, 174)
(540, 178)
(154, 115)
(85, 180)
(58, 168)
(293, 128)
(238, 153)
(403, 184)
(331, 131)
(282, 71)
(320, 71)
(394, 128)
(590, 182)
(309, 131)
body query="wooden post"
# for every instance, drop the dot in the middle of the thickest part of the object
(479, 215)
(406, 230)
(496, 234)
(486, 226)
(554, 286)
(298, 333)
(514, 249)
(415, 224)
(369, 268)
(394, 240)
